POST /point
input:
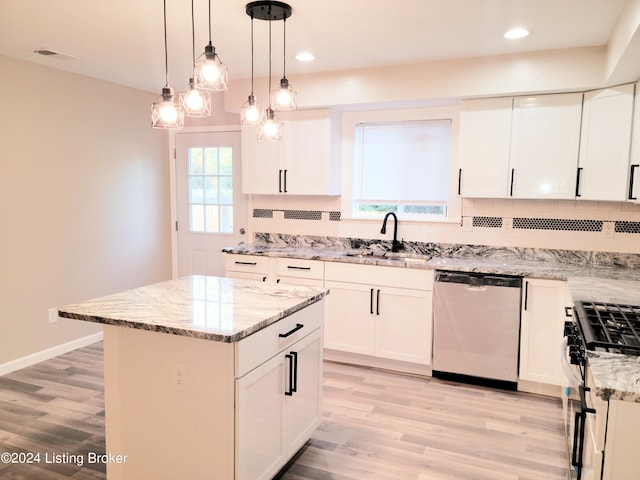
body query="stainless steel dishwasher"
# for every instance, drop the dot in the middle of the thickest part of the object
(476, 327)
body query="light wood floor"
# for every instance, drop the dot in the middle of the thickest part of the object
(376, 425)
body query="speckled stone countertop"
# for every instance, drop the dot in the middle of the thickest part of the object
(211, 308)
(616, 376)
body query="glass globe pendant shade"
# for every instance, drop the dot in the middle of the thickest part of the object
(195, 102)
(250, 112)
(284, 98)
(270, 127)
(165, 113)
(211, 72)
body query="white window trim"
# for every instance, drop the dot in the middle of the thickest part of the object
(349, 121)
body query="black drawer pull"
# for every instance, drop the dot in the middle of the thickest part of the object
(568, 312)
(246, 263)
(293, 267)
(292, 331)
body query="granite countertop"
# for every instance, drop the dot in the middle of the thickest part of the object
(616, 376)
(211, 308)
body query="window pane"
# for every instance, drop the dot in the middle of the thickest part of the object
(197, 218)
(195, 161)
(404, 161)
(226, 219)
(211, 190)
(226, 190)
(211, 161)
(196, 191)
(226, 163)
(212, 218)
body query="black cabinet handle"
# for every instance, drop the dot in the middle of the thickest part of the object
(459, 181)
(378, 302)
(293, 267)
(371, 302)
(568, 312)
(246, 263)
(578, 178)
(264, 279)
(280, 181)
(292, 331)
(513, 172)
(631, 179)
(285, 181)
(294, 385)
(526, 295)
(289, 391)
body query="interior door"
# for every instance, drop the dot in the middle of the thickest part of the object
(211, 209)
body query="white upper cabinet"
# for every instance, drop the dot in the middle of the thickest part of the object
(305, 162)
(603, 167)
(633, 187)
(545, 137)
(485, 133)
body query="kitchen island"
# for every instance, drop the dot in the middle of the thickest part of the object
(207, 377)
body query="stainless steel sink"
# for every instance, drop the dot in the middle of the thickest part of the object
(398, 257)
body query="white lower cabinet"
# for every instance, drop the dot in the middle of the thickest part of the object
(292, 271)
(388, 317)
(278, 402)
(541, 330)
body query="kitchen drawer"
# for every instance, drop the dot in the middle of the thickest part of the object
(259, 347)
(246, 263)
(295, 267)
(399, 277)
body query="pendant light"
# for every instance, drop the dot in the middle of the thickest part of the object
(196, 102)
(270, 127)
(250, 111)
(166, 113)
(212, 73)
(284, 98)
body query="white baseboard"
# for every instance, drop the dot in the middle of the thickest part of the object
(42, 355)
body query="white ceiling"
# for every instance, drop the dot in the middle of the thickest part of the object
(122, 40)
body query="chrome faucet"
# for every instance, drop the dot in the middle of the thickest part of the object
(395, 245)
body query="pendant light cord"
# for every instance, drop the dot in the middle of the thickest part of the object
(209, 22)
(166, 56)
(269, 58)
(284, 50)
(252, 53)
(193, 40)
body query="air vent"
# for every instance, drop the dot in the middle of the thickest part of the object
(45, 52)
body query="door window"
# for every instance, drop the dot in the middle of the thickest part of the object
(211, 189)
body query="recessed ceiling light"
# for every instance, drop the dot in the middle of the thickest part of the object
(517, 32)
(305, 57)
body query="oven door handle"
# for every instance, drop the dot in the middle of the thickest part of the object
(574, 381)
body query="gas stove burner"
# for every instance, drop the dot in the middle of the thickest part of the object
(610, 327)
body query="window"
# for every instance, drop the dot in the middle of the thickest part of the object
(403, 167)
(210, 190)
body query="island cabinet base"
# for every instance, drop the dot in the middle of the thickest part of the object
(182, 407)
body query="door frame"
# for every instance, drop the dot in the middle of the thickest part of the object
(173, 185)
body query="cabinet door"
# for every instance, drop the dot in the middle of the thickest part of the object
(261, 163)
(542, 325)
(605, 143)
(260, 421)
(304, 406)
(633, 187)
(349, 319)
(485, 132)
(307, 156)
(404, 325)
(545, 137)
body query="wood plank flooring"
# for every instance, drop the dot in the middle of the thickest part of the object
(376, 425)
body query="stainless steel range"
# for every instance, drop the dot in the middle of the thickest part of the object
(598, 327)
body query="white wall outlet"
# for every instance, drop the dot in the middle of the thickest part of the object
(179, 376)
(608, 228)
(53, 315)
